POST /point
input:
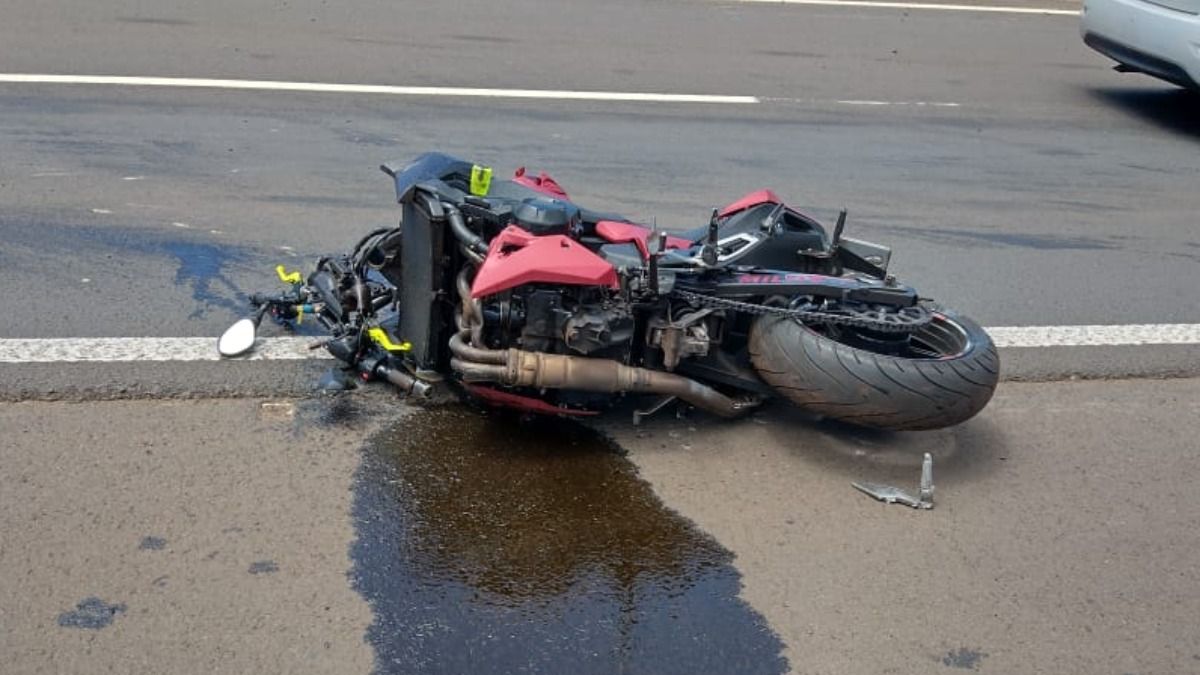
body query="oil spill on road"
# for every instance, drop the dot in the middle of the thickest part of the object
(487, 545)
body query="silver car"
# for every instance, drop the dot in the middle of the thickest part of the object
(1159, 38)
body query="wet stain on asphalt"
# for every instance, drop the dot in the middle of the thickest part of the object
(201, 266)
(332, 412)
(263, 567)
(91, 613)
(152, 544)
(489, 545)
(967, 659)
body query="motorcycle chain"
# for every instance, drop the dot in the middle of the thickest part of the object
(902, 320)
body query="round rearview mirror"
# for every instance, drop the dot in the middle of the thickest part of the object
(238, 339)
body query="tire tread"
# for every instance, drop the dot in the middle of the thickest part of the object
(875, 390)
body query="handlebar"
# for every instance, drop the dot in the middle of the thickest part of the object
(403, 381)
(377, 367)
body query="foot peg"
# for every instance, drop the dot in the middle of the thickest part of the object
(894, 495)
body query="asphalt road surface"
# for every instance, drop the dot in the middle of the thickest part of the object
(1016, 176)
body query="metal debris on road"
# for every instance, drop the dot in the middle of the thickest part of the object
(894, 495)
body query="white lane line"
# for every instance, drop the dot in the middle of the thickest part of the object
(1097, 336)
(918, 104)
(108, 350)
(73, 350)
(328, 87)
(923, 5)
(324, 87)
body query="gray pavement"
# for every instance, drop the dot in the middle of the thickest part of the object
(679, 45)
(218, 534)
(215, 534)
(208, 532)
(1062, 540)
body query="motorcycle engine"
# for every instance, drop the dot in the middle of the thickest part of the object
(575, 320)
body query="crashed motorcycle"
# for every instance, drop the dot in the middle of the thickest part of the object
(512, 293)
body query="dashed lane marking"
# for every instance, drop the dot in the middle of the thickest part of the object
(993, 9)
(915, 104)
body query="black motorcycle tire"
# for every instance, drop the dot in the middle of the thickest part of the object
(869, 389)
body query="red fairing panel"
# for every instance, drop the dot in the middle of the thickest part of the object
(516, 257)
(508, 399)
(543, 183)
(616, 232)
(752, 199)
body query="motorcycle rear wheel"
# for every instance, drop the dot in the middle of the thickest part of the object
(943, 375)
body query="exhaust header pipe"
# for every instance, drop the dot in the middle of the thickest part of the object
(519, 368)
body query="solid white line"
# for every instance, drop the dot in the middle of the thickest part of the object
(107, 350)
(923, 5)
(327, 87)
(130, 349)
(1096, 336)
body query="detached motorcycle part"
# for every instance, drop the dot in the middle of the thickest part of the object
(937, 376)
(894, 495)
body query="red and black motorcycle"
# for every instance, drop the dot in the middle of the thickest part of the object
(530, 301)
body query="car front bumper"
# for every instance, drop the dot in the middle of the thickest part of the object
(1145, 37)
